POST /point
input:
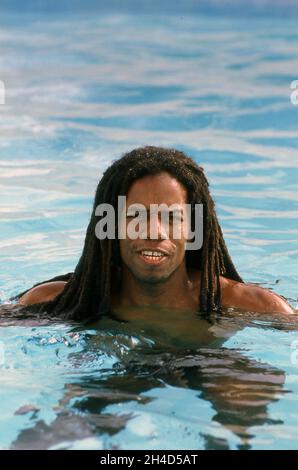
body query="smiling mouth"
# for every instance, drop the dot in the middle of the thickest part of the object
(152, 256)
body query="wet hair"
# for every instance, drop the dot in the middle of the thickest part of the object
(87, 294)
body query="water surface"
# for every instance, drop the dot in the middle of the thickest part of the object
(80, 91)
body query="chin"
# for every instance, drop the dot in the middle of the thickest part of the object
(156, 280)
(152, 279)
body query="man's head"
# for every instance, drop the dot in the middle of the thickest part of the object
(146, 175)
(156, 256)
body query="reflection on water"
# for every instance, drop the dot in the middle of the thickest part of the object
(77, 96)
(239, 399)
(128, 385)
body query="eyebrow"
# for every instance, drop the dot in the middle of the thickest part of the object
(147, 209)
(180, 206)
(168, 213)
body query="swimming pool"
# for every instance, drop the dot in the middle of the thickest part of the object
(80, 91)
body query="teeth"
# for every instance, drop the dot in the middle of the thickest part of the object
(152, 254)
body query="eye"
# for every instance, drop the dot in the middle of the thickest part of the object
(136, 214)
(175, 216)
(132, 216)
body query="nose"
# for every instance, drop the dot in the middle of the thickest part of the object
(156, 228)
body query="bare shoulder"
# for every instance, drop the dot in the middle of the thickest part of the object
(42, 293)
(253, 298)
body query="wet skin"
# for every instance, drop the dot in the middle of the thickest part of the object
(166, 282)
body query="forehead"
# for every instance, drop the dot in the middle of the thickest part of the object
(157, 189)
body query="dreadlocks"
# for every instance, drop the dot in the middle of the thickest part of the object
(87, 293)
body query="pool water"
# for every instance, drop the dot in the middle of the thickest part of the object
(81, 89)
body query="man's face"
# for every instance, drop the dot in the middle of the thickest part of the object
(155, 258)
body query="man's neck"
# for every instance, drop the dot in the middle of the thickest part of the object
(175, 292)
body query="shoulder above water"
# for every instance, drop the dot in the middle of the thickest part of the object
(252, 298)
(248, 297)
(42, 293)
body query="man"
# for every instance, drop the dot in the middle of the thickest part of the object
(123, 273)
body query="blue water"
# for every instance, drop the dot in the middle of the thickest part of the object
(80, 91)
